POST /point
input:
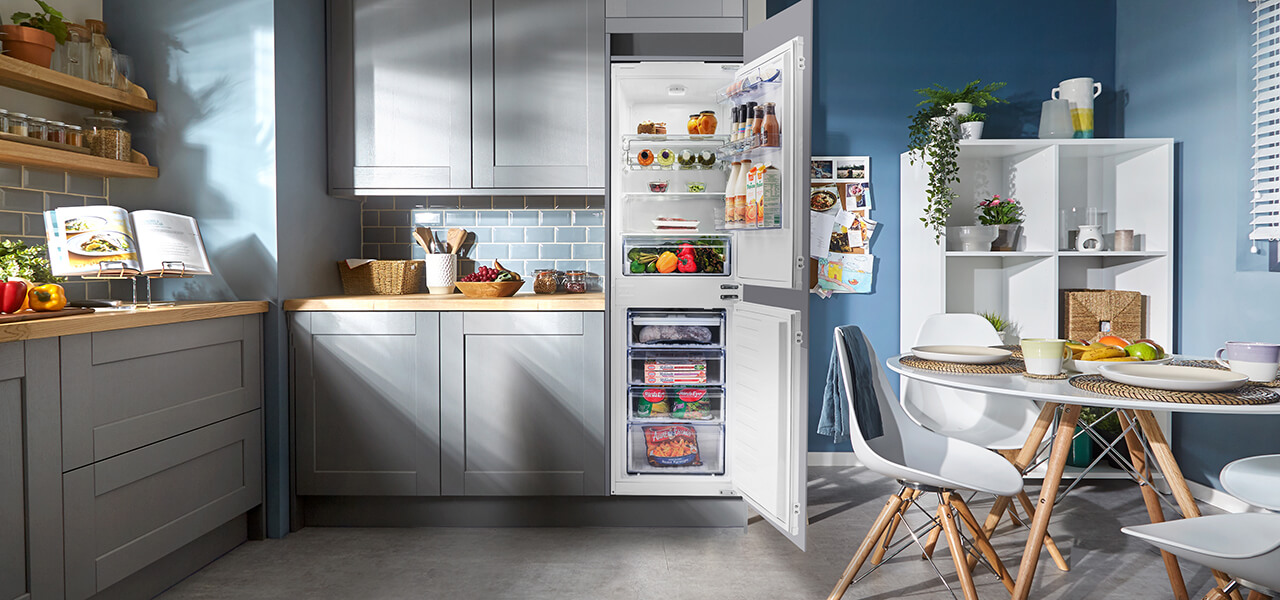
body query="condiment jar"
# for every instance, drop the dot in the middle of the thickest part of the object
(107, 136)
(575, 282)
(56, 132)
(546, 281)
(693, 124)
(707, 122)
(17, 124)
(75, 136)
(36, 127)
(4, 120)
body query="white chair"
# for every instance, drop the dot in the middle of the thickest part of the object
(1244, 545)
(1255, 480)
(923, 462)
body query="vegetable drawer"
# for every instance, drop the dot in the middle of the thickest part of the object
(682, 255)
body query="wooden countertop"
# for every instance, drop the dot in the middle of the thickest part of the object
(451, 302)
(107, 320)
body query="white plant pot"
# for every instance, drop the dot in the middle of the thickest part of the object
(971, 130)
(944, 123)
(973, 238)
(962, 108)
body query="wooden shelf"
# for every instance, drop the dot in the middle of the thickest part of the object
(27, 77)
(66, 160)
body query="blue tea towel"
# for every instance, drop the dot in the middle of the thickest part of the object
(833, 421)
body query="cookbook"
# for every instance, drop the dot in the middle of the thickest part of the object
(108, 240)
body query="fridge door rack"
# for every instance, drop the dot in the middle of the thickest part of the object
(710, 320)
(683, 367)
(666, 404)
(757, 82)
(748, 149)
(710, 450)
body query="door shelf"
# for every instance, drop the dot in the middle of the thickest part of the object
(709, 324)
(664, 404)
(707, 438)
(655, 244)
(680, 368)
(748, 149)
(757, 82)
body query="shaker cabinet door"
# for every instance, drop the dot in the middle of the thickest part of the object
(400, 95)
(538, 72)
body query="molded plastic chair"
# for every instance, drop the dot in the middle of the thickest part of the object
(924, 462)
(1255, 480)
(1245, 546)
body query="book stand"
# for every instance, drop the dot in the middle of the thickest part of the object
(115, 269)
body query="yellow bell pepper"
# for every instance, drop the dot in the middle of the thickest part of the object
(47, 297)
(666, 262)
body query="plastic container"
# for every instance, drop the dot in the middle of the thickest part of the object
(711, 321)
(677, 367)
(675, 404)
(107, 136)
(709, 438)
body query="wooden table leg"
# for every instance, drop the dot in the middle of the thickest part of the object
(1149, 496)
(1173, 477)
(1048, 494)
(1021, 460)
(882, 522)
(1255, 595)
(1049, 544)
(958, 553)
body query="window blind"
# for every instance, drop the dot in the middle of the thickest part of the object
(1265, 211)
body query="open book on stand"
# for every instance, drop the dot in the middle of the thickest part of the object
(109, 241)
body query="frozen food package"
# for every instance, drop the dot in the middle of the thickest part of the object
(653, 404)
(671, 446)
(650, 334)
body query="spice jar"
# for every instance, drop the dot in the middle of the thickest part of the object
(546, 281)
(575, 282)
(4, 120)
(56, 132)
(36, 127)
(707, 122)
(17, 124)
(107, 136)
(75, 136)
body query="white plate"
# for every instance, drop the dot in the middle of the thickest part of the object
(676, 224)
(1169, 377)
(1091, 366)
(971, 355)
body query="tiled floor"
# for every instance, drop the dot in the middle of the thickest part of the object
(635, 564)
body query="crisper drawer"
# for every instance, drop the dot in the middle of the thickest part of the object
(661, 255)
(675, 328)
(683, 404)
(675, 449)
(676, 367)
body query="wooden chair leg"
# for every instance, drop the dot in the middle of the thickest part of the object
(887, 539)
(932, 541)
(958, 554)
(868, 543)
(980, 539)
(1256, 595)
(1049, 544)
(1216, 594)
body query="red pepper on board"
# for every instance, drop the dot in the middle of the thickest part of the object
(12, 296)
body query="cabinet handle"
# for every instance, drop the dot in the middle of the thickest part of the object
(728, 296)
(728, 286)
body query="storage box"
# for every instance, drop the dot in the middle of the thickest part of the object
(389, 277)
(1091, 314)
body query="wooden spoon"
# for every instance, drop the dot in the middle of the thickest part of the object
(421, 235)
(455, 240)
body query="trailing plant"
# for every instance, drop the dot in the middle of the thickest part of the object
(996, 321)
(17, 259)
(940, 95)
(999, 211)
(49, 19)
(973, 117)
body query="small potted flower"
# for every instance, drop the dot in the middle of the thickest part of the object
(971, 125)
(1006, 215)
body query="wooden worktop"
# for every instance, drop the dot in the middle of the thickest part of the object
(451, 302)
(107, 320)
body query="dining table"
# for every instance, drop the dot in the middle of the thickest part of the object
(1061, 400)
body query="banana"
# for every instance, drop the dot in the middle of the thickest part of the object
(1103, 353)
(1123, 359)
(1077, 347)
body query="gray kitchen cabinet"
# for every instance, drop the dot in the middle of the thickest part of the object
(523, 403)
(675, 16)
(128, 511)
(30, 474)
(366, 403)
(399, 94)
(538, 76)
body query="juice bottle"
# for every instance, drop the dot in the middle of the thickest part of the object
(749, 219)
(770, 212)
(770, 128)
(740, 195)
(730, 190)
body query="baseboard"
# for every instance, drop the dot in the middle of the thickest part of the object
(833, 459)
(523, 511)
(1219, 499)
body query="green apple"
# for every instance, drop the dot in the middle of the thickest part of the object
(1142, 351)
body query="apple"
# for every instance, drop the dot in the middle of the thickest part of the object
(1142, 351)
(1158, 347)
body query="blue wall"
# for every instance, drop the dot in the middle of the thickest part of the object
(1185, 65)
(872, 55)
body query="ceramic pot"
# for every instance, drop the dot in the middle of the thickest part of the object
(962, 108)
(1007, 237)
(973, 238)
(971, 130)
(28, 44)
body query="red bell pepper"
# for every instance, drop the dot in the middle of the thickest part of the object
(686, 248)
(12, 296)
(686, 263)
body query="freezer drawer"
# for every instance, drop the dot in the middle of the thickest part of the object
(676, 367)
(675, 328)
(676, 449)
(675, 404)
(641, 255)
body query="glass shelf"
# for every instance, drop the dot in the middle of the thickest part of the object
(631, 161)
(669, 196)
(681, 139)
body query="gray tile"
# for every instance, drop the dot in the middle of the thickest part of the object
(417, 252)
(524, 217)
(571, 265)
(460, 218)
(523, 250)
(49, 181)
(378, 203)
(588, 251)
(588, 217)
(554, 251)
(427, 218)
(86, 185)
(394, 252)
(571, 202)
(25, 200)
(11, 175)
(410, 202)
(489, 251)
(75, 290)
(10, 223)
(53, 201)
(571, 234)
(595, 201)
(596, 234)
(393, 218)
(534, 265)
(478, 202)
(493, 218)
(556, 217)
(442, 202)
(97, 290)
(595, 266)
(33, 224)
(540, 202)
(508, 234)
(92, 201)
(404, 235)
(369, 218)
(539, 234)
(517, 266)
(480, 235)
(508, 202)
(379, 235)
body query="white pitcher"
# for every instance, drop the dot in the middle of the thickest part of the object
(1080, 92)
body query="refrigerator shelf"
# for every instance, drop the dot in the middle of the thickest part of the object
(709, 439)
(669, 196)
(631, 164)
(719, 225)
(654, 244)
(682, 367)
(679, 404)
(705, 142)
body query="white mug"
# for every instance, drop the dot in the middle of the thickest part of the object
(1044, 356)
(1259, 361)
(1080, 92)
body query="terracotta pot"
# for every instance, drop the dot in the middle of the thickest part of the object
(28, 44)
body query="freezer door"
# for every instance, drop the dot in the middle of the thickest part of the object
(767, 412)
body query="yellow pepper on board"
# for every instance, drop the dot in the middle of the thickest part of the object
(47, 297)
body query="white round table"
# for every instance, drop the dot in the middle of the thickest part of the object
(1060, 393)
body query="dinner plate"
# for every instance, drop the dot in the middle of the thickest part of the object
(1091, 366)
(1169, 377)
(972, 355)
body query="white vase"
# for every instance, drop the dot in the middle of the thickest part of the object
(962, 108)
(971, 130)
(973, 238)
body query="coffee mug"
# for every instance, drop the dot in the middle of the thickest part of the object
(1080, 92)
(1044, 356)
(1257, 360)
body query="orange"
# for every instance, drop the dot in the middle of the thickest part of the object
(1112, 340)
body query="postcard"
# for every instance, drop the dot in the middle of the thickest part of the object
(821, 168)
(856, 168)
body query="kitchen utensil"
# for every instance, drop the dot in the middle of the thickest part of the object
(1089, 239)
(1055, 120)
(489, 289)
(1259, 361)
(456, 238)
(1079, 92)
(425, 238)
(441, 272)
(970, 355)
(1090, 367)
(1044, 356)
(1169, 377)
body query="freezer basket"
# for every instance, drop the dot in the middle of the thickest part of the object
(675, 449)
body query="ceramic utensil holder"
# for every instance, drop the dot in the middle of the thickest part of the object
(442, 272)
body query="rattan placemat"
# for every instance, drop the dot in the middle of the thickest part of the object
(1208, 364)
(1059, 376)
(1016, 350)
(1242, 396)
(1008, 367)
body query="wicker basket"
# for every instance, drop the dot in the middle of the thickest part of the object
(1091, 314)
(387, 277)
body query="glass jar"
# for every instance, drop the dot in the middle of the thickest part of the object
(546, 281)
(78, 51)
(36, 127)
(56, 132)
(4, 120)
(575, 282)
(17, 124)
(107, 136)
(75, 136)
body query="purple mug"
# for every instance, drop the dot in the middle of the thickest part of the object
(1257, 360)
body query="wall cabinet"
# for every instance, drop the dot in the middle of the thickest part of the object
(675, 16)
(466, 94)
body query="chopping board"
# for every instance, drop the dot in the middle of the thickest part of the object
(33, 316)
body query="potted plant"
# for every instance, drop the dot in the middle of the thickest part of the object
(32, 38)
(1084, 448)
(20, 261)
(1006, 215)
(1002, 326)
(932, 137)
(971, 125)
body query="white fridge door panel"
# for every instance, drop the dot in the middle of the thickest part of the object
(767, 413)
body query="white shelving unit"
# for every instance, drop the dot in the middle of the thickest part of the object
(1056, 181)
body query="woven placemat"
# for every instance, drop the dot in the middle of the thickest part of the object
(1046, 377)
(1008, 367)
(1208, 364)
(1016, 350)
(1243, 396)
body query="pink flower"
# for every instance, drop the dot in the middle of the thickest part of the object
(995, 202)
(996, 197)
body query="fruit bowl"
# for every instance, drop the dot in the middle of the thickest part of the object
(489, 289)
(1090, 367)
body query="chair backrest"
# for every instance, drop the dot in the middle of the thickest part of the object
(957, 328)
(890, 412)
(1255, 480)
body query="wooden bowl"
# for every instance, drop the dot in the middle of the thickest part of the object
(489, 289)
